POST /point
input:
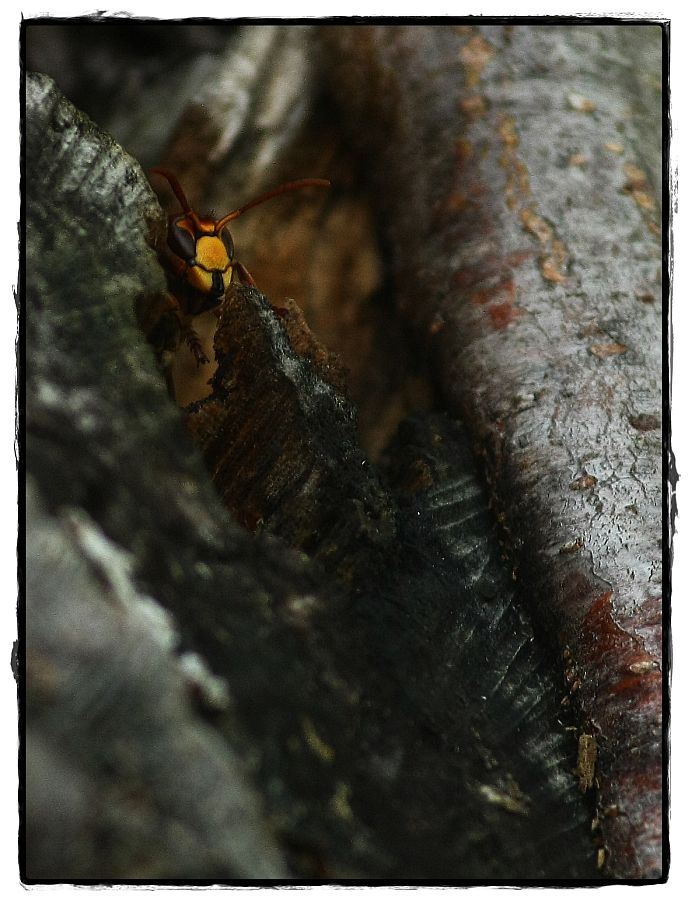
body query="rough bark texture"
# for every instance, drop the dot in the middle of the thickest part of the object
(278, 435)
(517, 173)
(222, 705)
(339, 678)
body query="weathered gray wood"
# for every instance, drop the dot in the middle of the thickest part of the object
(125, 777)
(103, 441)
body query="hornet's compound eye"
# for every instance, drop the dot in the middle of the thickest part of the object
(228, 242)
(181, 241)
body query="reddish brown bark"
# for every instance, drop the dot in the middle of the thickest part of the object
(513, 169)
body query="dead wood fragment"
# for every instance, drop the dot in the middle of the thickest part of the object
(279, 439)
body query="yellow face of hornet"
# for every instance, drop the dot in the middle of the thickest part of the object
(203, 254)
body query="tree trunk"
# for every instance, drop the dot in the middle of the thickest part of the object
(518, 173)
(252, 651)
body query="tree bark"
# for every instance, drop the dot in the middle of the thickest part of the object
(517, 175)
(309, 702)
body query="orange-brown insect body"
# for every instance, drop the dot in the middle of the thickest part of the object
(199, 258)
